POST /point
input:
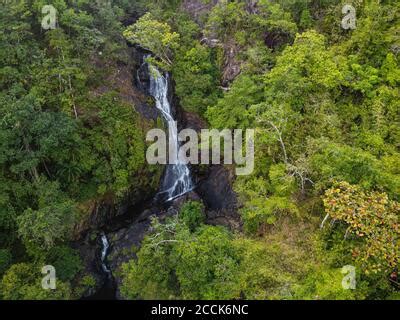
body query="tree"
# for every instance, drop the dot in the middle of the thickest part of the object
(64, 141)
(66, 261)
(233, 109)
(196, 78)
(333, 161)
(152, 276)
(23, 282)
(277, 121)
(154, 36)
(175, 263)
(5, 260)
(304, 69)
(51, 221)
(326, 284)
(207, 264)
(269, 269)
(192, 214)
(114, 150)
(265, 201)
(373, 219)
(236, 19)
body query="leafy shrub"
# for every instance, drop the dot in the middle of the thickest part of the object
(5, 260)
(192, 214)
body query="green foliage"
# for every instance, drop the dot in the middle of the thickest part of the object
(207, 264)
(231, 18)
(267, 271)
(23, 282)
(326, 284)
(66, 261)
(154, 36)
(303, 70)
(86, 284)
(371, 217)
(263, 201)
(152, 276)
(341, 162)
(88, 281)
(196, 78)
(173, 262)
(121, 139)
(5, 260)
(324, 103)
(52, 220)
(233, 110)
(192, 214)
(211, 263)
(328, 110)
(66, 138)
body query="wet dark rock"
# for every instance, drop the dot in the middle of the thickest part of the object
(220, 199)
(197, 8)
(179, 202)
(193, 121)
(123, 247)
(216, 189)
(101, 212)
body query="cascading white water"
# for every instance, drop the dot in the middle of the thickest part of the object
(177, 180)
(104, 251)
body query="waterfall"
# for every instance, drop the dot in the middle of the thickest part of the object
(104, 251)
(177, 180)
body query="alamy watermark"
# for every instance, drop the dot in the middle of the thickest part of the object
(349, 278)
(349, 20)
(49, 21)
(206, 150)
(49, 280)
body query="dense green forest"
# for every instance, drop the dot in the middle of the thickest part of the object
(324, 102)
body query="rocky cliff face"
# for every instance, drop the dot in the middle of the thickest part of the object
(197, 8)
(220, 200)
(109, 211)
(123, 79)
(232, 65)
